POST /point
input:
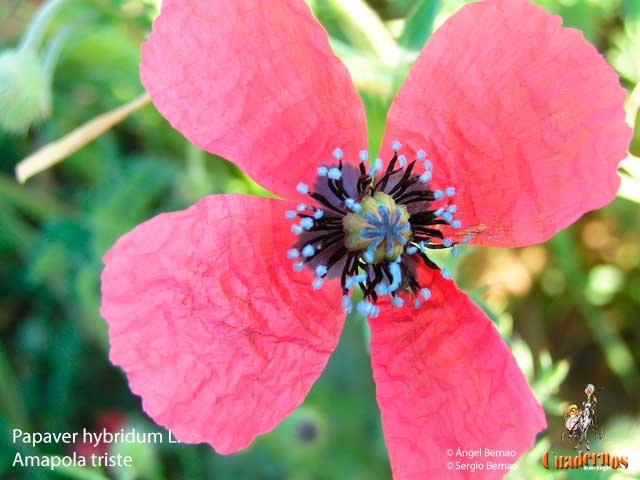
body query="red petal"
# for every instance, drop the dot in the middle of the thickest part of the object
(214, 330)
(257, 84)
(446, 380)
(523, 116)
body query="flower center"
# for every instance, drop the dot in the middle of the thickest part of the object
(379, 229)
(371, 228)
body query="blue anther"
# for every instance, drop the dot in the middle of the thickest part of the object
(351, 281)
(420, 155)
(364, 155)
(347, 305)
(334, 173)
(375, 311)
(396, 276)
(322, 171)
(293, 253)
(397, 302)
(298, 266)
(438, 212)
(396, 145)
(411, 250)
(352, 205)
(301, 207)
(373, 169)
(446, 273)
(447, 242)
(447, 216)
(364, 308)
(450, 191)
(417, 303)
(438, 195)
(361, 277)
(403, 160)
(382, 289)
(302, 188)
(422, 246)
(456, 224)
(428, 165)
(317, 283)
(467, 238)
(452, 209)
(455, 251)
(426, 293)
(290, 215)
(425, 177)
(337, 154)
(318, 214)
(308, 251)
(306, 223)
(297, 229)
(368, 256)
(321, 270)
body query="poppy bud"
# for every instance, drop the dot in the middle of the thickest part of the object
(25, 95)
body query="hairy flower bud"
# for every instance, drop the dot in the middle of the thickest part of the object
(25, 95)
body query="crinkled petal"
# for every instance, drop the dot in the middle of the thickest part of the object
(523, 116)
(445, 380)
(255, 82)
(214, 330)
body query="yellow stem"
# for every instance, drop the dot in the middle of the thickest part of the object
(57, 151)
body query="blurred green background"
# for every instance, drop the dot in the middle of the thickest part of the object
(569, 309)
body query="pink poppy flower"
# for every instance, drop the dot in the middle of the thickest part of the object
(507, 129)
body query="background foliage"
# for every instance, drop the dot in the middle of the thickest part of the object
(568, 309)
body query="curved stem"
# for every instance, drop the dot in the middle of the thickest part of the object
(37, 27)
(53, 50)
(57, 151)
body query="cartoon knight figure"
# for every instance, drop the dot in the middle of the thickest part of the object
(578, 422)
(592, 401)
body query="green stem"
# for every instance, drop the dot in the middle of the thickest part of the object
(57, 43)
(52, 53)
(363, 27)
(39, 23)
